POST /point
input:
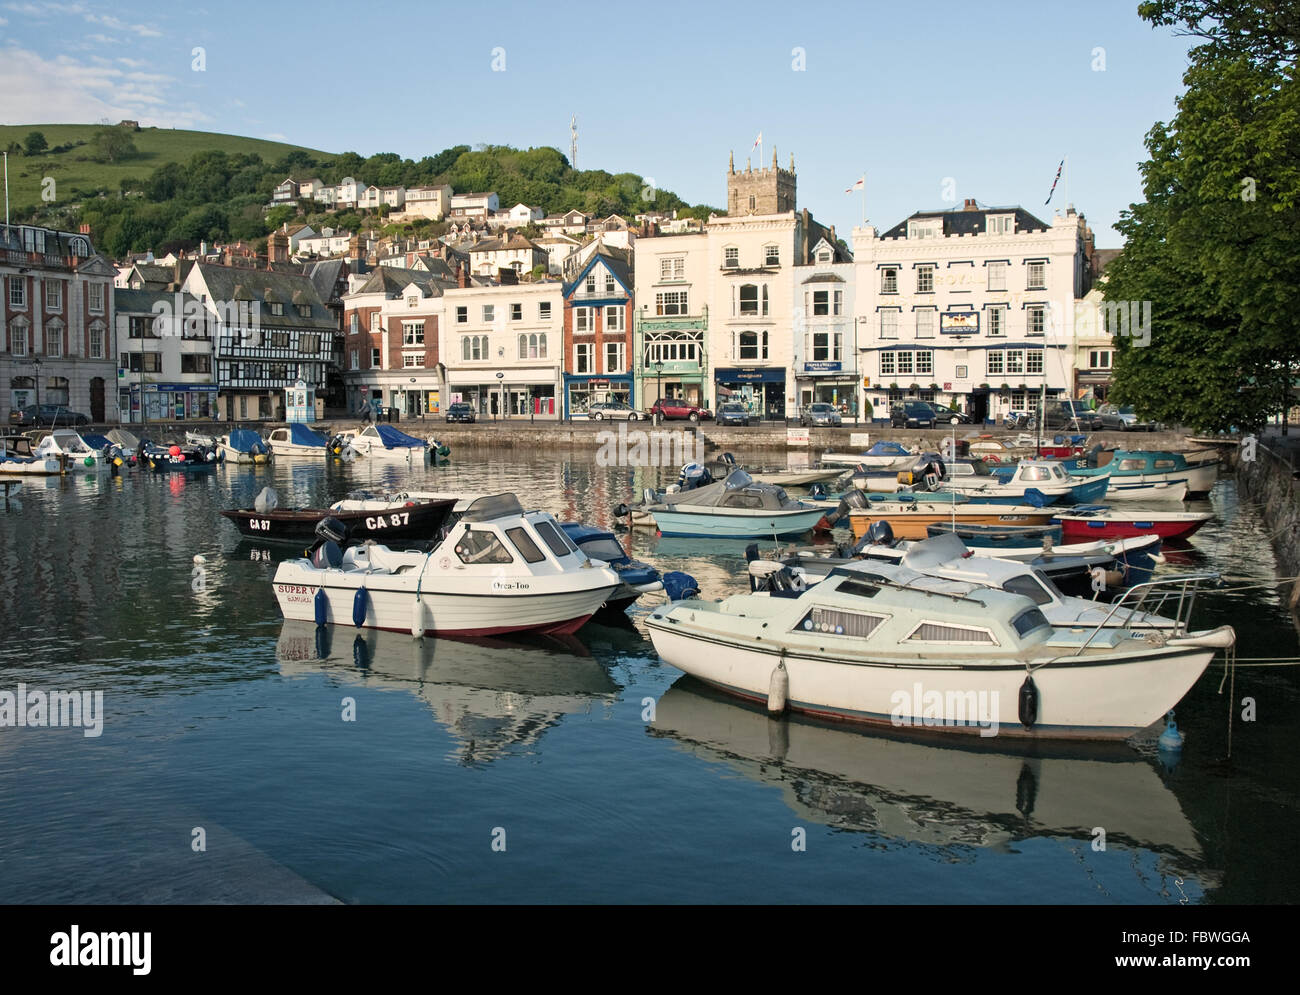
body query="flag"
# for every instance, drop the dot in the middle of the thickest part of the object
(1054, 182)
(857, 186)
(757, 141)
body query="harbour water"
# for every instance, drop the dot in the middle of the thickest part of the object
(542, 771)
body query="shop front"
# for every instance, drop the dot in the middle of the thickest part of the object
(522, 393)
(761, 390)
(171, 402)
(828, 383)
(581, 391)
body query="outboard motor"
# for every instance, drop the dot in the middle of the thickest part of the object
(327, 552)
(818, 491)
(854, 499)
(880, 533)
(678, 585)
(694, 475)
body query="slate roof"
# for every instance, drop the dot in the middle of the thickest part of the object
(231, 283)
(959, 221)
(392, 280)
(142, 301)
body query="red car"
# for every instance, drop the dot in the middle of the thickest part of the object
(669, 408)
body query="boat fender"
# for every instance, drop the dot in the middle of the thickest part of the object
(1114, 578)
(410, 504)
(417, 619)
(360, 601)
(778, 690)
(322, 642)
(90, 461)
(1171, 738)
(621, 511)
(1028, 704)
(322, 606)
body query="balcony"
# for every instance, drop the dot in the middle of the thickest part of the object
(35, 260)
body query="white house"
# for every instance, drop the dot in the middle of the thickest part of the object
(164, 344)
(515, 252)
(330, 242)
(433, 202)
(503, 348)
(970, 307)
(825, 327)
(475, 205)
(348, 192)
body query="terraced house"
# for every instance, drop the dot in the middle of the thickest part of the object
(270, 329)
(56, 332)
(391, 350)
(598, 332)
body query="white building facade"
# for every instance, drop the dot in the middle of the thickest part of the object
(971, 307)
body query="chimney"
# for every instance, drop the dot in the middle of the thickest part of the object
(970, 205)
(462, 278)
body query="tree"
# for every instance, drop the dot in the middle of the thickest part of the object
(112, 145)
(35, 143)
(1212, 247)
(1267, 31)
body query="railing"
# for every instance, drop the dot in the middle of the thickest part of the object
(17, 257)
(1150, 597)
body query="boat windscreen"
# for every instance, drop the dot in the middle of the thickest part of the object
(738, 479)
(1028, 585)
(492, 506)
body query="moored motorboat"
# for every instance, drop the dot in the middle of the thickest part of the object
(387, 520)
(911, 515)
(176, 458)
(881, 456)
(1106, 523)
(637, 577)
(19, 459)
(297, 440)
(1043, 479)
(68, 445)
(859, 647)
(1133, 469)
(500, 569)
(243, 445)
(377, 442)
(734, 508)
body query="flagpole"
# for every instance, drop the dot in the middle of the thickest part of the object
(864, 198)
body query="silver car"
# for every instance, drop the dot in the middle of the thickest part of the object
(1125, 419)
(820, 413)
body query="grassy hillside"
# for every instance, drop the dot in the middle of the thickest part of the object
(74, 169)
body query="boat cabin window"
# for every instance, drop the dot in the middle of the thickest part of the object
(1028, 621)
(524, 543)
(1132, 464)
(1165, 464)
(741, 499)
(859, 587)
(482, 546)
(554, 538)
(1058, 473)
(1028, 585)
(1035, 473)
(835, 621)
(938, 632)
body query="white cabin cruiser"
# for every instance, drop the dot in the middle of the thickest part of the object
(297, 440)
(68, 445)
(17, 458)
(500, 569)
(378, 442)
(861, 647)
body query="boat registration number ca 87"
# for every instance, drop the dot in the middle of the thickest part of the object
(385, 521)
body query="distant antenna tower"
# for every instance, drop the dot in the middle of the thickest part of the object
(573, 145)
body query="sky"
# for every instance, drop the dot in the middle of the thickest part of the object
(933, 103)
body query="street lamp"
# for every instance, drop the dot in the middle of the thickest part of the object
(659, 388)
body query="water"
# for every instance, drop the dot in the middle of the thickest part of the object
(224, 726)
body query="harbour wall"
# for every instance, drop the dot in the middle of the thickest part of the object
(1270, 481)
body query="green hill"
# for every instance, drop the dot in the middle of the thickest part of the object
(74, 170)
(159, 189)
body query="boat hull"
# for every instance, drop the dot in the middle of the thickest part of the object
(1110, 697)
(736, 525)
(408, 523)
(1084, 529)
(916, 524)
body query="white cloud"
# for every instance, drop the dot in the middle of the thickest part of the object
(74, 91)
(43, 11)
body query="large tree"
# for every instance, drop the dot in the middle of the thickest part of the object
(1213, 247)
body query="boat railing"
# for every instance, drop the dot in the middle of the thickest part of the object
(1151, 597)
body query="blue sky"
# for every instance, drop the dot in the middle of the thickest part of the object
(989, 95)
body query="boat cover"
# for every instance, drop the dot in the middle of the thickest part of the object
(888, 449)
(301, 435)
(121, 437)
(393, 439)
(245, 440)
(96, 441)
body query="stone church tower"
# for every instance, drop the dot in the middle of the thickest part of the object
(761, 191)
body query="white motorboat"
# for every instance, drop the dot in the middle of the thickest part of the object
(377, 442)
(1140, 490)
(862, 648)
(499, 570)
(297, 440)
(883, 455)
(68, 445)
(734, 508)
(17, 458)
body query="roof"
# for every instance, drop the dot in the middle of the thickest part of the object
(965, 221)
(392, 280)
(142, 301)
(619, 262)
(226, 283)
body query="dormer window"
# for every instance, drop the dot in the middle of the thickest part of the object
(923, 229)
(413, 301)
(1001, 224)
(824, 256)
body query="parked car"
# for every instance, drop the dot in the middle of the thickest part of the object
(670, 408)
(1071, 414)
(612, 410)
(733, 413)
(460, 411)
(911, 414)
(950, 416)
(820, 413)
(1125, 419)
(47, 414)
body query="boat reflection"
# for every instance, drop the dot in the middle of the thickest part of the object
(492, 695)
(939, 794)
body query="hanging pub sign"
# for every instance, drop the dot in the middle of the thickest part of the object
(959, 323)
